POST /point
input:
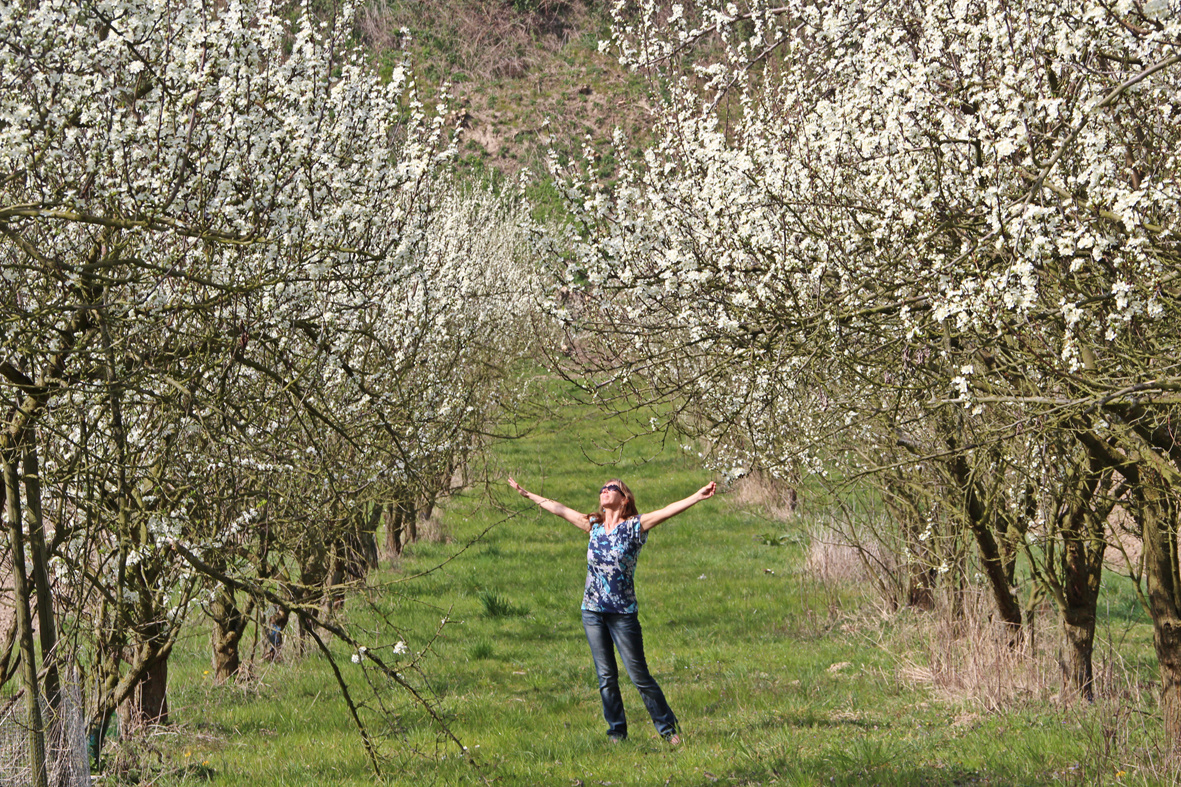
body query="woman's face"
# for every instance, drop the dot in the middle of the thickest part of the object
(611, 493)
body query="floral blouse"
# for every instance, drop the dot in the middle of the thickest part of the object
(611, 566)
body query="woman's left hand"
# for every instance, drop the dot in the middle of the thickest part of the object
(649, 521)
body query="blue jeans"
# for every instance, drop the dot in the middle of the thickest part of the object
(607, 632)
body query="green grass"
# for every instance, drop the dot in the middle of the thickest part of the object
(743, 642)
(497, 606)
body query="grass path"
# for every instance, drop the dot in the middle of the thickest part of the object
(774, 680)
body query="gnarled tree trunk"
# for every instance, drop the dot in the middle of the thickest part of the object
(1158, 519)
(229, 623)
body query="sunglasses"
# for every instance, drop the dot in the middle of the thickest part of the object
(611, 488)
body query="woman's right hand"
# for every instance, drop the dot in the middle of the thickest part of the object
(517, 487)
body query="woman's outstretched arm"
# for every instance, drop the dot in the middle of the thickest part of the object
(579, 520)
(649, 521)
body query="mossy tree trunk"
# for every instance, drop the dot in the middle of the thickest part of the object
(1144, 451)
(401, 525)
(229, 624)
(1158, 517)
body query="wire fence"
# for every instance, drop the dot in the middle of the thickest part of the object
(66, 752)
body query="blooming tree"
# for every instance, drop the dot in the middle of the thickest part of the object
(238, 289)
(413, 385)
(947, 228)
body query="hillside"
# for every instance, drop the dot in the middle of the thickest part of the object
(512, 65)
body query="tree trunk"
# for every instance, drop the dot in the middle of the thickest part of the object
(1083, 547)
(428, 506)
(102, 702)
(1078, 644)
(229, 623)
(24, 622)
(1167, 640)
(153, 693)
(920, 569)
(920, 592)
(996, 568)
(134, 679)
(333, 597)
(367, 536)
(46, 626)
(410, 518)
(393, 530)
(1159, 532)
(910, 508)
(148, 702)
(314, 577)
(8, 649)
(358, 546)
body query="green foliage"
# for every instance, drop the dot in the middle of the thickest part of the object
(772, 540)
(546, 203)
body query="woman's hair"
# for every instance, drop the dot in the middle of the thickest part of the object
(629, 503)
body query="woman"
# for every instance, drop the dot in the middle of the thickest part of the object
(609, 614)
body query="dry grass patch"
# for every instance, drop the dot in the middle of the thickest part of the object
(967, 659)
(759, 491)
(832, 561)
